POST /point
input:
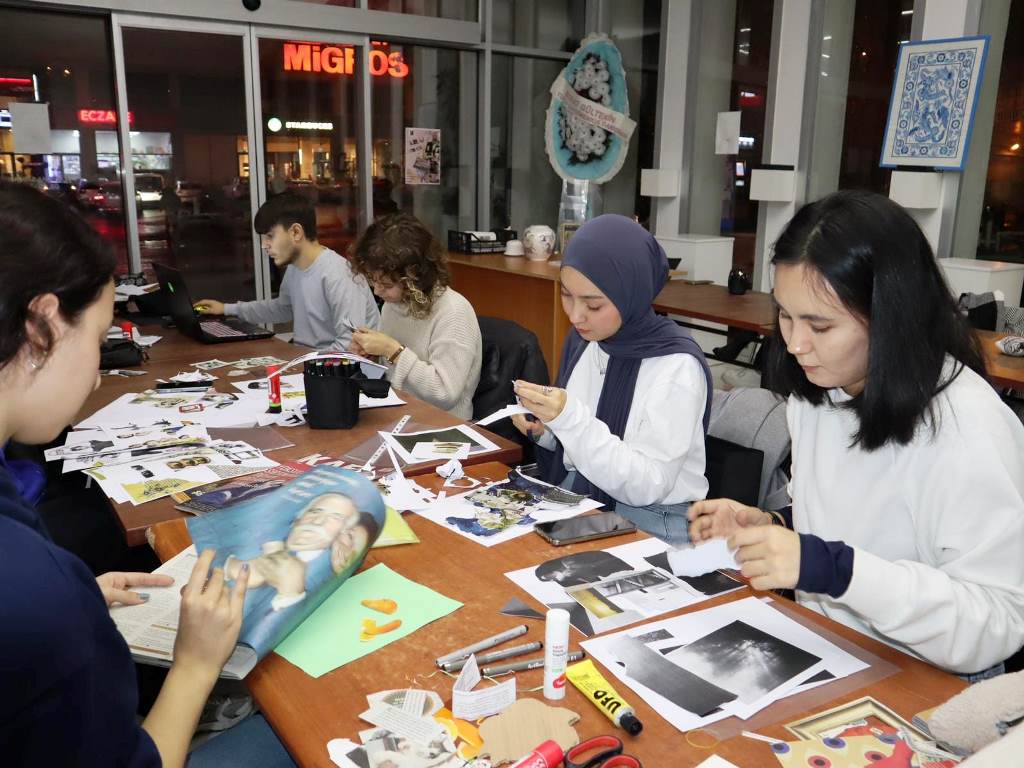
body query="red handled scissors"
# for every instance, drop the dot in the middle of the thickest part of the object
(606, 752)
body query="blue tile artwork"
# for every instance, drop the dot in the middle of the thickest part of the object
(933, 102)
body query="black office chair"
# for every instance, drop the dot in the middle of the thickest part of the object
(509, 352)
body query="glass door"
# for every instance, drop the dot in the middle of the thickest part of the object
(189, 136)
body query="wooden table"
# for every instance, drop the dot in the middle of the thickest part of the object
(517, 289)
(1004, 371)
(307, 713)
(176, 352)
(751, 311)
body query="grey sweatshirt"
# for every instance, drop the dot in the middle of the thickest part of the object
(318, 300)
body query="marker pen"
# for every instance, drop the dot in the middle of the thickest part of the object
(274, 389)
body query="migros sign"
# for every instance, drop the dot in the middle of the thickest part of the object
(340, 60)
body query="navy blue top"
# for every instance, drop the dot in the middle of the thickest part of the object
(68, 690)
(826, 567)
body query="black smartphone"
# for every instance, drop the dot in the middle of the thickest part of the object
(599, 525)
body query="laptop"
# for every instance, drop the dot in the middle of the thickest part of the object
(191, 323)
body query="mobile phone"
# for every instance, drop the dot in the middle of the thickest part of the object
(584, 528)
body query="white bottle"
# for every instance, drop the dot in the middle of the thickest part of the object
(556, 648)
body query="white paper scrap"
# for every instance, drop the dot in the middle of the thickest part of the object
(413, 701)
(717, 762)
(402, 723)
(338, 749)
(702, 558)
(472, 705)
(504, 413)
(468, 677)
(451, 470)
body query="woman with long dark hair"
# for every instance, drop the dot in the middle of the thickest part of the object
(907, 517)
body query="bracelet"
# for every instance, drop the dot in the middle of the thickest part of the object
(396, 353)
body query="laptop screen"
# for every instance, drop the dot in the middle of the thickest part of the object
(178, 300)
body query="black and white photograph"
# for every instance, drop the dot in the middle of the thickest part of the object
(680, 686)
(710, 584)
(581, 568)
(743, 659)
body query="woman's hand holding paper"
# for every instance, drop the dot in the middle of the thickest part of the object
(544, 402)
(769, 555)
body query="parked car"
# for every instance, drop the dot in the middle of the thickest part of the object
(149, 187)
(107, 199)
(85, 191)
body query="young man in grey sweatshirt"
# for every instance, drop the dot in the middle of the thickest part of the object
(319, 293)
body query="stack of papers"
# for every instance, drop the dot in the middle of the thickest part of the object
(731, 660)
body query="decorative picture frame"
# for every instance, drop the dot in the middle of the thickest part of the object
(934, 95)
(865, 708)
(565, 232)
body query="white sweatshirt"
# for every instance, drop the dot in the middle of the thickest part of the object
(937, 526)
(660, 459)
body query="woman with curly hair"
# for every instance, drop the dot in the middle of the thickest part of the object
(429, 335)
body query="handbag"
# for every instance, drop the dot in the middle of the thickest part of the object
(121, 353)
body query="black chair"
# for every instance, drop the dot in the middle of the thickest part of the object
(509, 352)
(733, 471)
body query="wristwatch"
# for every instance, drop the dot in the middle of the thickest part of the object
(396, 353)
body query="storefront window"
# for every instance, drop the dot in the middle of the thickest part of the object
(423, 132)
(187, 114)
(460, 10)
(550, 24)
(1002, 215)
(309, 130)
(64, 60)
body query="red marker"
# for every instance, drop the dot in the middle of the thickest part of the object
(274, 388)
(126, 330)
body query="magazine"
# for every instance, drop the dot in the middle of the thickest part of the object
(301, 542)
(224, 493)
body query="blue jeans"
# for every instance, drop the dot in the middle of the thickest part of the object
(663, 521)
(250, 744)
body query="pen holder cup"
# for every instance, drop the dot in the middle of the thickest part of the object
(332, 402)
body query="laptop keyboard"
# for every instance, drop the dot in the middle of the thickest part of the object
(215, 328)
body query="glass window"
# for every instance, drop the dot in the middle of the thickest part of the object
(1002, 215)
(188, 115)
(636, 29)
(879, 26)
(423, 131)
(525, 189)
(309, 129)
(460, 10)
(64, 60)
(550, 24)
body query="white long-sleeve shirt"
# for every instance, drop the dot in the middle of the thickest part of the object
(317, 300)
(937, 526)
(660, 457)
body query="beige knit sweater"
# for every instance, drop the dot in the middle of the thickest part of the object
(441, 361)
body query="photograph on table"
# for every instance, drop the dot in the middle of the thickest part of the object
(714, 583)
(747, 649)
(864, 712)
(607, 589)
(496, 513)
(404, 442)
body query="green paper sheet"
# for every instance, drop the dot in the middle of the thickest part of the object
(329, 638)
(396, 531)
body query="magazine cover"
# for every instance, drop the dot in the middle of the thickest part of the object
(301, 542)
(225, 493)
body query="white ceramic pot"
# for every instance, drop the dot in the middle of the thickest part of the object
(539, 242)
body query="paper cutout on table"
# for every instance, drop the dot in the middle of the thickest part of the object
(516, 607)
(396, 531)
(451, 470)
(404, 442)
(414, 701)
(717, 762)
(710, 584)
(473, 705)
(519, 729)
(431, 450)
(371, 629)
(464, 733)
(607, 589)
(496, 513)
(856, 748)
(503, 413)
(401, 723)
(702, 558)
(382, 605)
(330, 637)
(264, 438)
(193, 377)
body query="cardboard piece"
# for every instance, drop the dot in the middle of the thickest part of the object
(524, 725)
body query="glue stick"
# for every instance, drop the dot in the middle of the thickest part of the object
(556, 648)
(274, 388)
(593, 685)
(547, 755)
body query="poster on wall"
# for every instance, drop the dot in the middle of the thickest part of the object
(588, 128)
(422, 155)
(934, 95)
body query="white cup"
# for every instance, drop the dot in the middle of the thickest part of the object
(514, 248)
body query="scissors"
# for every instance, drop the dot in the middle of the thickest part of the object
(606, 752)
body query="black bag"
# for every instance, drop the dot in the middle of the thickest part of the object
(121, 353)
